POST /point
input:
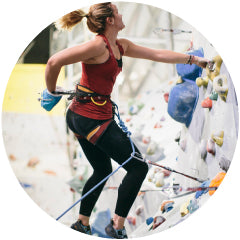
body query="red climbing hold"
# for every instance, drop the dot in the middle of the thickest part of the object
(211, 147)
(158, 221)
(166, 96)
(207, 103)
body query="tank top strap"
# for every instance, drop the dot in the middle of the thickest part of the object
(106, 41)
(120, 48)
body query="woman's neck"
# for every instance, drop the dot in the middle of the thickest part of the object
(112, 37)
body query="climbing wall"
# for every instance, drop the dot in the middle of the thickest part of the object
(202, 149)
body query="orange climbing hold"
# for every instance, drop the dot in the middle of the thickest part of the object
(146, 140)
(33, 162)
(216, 182)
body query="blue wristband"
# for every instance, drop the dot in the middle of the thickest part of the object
(49, 100)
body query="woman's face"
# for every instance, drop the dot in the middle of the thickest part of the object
(118, 23)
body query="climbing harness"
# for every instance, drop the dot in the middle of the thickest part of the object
(83, 95)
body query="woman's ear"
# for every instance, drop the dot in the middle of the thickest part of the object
(110, 20)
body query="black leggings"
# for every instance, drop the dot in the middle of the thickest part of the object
(114, 144)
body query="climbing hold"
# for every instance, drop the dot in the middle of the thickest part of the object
(212, 74)
(128, 119)
(149, 220)
(179, 81)
(166, 96)
(131, 220)
(224, 163)
(216, 182)
(218, 138)
(135, 107)
(50, 172)
(158, 125)
(12, 157)
(183, 97)
(182, 102)
(146, 140)
(166, 173)
(192, 206)
(159, 177)
(139, 210)
(162, 119)
(33, 162)
(183, 209)
(183, 144)
(151, 176)
(152, 147)
(220, 86)
(157, 221)
(202, 81)
(214, 96)
(204, 190)
(178, 136)
(211, 147)
(166, 206)
(190, 72)
(207, 103)
(203, 150)
(26, 185)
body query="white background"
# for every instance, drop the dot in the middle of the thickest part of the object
(21, 21)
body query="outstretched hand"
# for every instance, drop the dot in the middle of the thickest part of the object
(203, 62)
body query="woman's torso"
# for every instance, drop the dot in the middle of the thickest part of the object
(100, 78)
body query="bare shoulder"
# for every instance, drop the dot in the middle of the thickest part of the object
(96, 45)
(125, 43)
(99, 43)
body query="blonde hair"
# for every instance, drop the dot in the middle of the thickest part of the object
(96, 18)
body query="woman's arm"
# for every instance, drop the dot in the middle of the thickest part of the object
(83, 52)
(158, 55)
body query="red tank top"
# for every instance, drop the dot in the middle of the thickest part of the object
(100, 78)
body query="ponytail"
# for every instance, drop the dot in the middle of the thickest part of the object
(68, 21)
(96, 18)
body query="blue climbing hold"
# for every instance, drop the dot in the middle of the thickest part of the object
(183, 97)
(149, 220)
(101, 221)
(190, 72)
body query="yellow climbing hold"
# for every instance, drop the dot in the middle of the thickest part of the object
(218, 137)
(220, 86)
(202, 81)
(212, 74)
(183, 209)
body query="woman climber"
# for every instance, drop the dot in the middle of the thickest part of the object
(90, 114)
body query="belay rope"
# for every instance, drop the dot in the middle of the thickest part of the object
(133, 155)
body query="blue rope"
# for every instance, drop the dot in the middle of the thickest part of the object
(125, 129)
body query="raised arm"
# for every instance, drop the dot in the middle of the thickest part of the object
(83, 52)
(159, 55)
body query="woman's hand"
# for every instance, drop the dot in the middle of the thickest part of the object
(202, 62)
